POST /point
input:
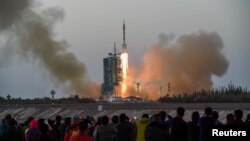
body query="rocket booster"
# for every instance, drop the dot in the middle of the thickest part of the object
(124, 63)
(124, 45)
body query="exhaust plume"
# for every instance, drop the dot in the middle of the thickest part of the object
(33, 32)
(187, 65)
(11, 11)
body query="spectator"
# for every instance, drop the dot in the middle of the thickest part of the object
(97, 125)
(193, 127)
(141, 126)
(230, 119)
(92, 127)
(3, 125)
(11, 133)
(163, 115)
(43, 134)
(52, 130)
(32, 131)
(163, 118)
(41, 121)
(72, 130)
(26, 124)
(156, 131)
(57, 125)
(125, 129)
(106, 131)
(178, 126)
(82, 136)
(115, 122)
(206, 124)
(215, 116)
(238, 114)
(64, 127)
(247, 121)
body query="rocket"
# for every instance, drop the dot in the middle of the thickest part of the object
(124, 63)
(124, 45)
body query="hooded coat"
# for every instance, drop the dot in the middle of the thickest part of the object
(141, 126)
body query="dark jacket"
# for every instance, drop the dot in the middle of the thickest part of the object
(193, 131)
(105, 133)
(206, 124)
(124, 132)
(178, 129)
(12, 134)
(156, 131)
(44, 137)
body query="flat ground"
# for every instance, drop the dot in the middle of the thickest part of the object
(133, 110)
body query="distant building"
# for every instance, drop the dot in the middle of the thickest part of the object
(127, 99)
(112, 74)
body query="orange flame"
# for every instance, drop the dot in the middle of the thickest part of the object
(124, 67)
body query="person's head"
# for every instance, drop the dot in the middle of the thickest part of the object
(67, 120)
(163, 115)
(88, 117)
(115, 119)
(75, 119)
(123, 117)
(157, 118)
(83, 125)
(33, 124)
(248, 117)
(145, 116)
(40, 121)
(105, 120)
(215, 115)
(238, 114)
(43, 128)
(29, 120)
(58, 119)
(51, 123)
(208, 111)
(195, 116)
(92, 121)
(127, 119)
(11, 122)
(180, 111)
(7, 117)
(99, 121)
(230, 117)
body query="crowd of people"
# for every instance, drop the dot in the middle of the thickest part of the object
(157, 127)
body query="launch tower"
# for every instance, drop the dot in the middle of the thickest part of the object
(111, 73)
(115, 68)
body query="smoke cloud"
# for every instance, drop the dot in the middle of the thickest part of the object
(187, 64)
(34, 37)
(11, 11)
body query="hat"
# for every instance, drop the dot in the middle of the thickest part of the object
(33, 123)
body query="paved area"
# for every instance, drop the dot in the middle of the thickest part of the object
(133, 110)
